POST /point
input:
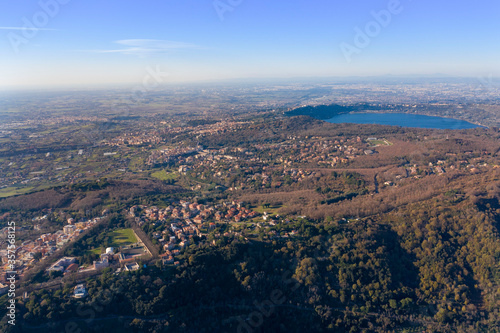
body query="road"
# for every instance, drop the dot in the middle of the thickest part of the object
(140, 234)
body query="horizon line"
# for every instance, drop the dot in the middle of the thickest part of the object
(111, 85)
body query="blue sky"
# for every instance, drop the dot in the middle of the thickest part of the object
(101, 42)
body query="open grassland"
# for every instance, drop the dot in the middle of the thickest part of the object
(12, 191)
(164, 175)
(122, 237)
(269, 209)
(116, 239)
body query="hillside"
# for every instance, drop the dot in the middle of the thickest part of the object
(344, 228)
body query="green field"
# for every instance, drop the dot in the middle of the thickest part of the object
(271, 210)
(11, 191)
(120, 237)
(95, 251)
(164, 175)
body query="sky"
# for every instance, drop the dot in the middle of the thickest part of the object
(47, 43)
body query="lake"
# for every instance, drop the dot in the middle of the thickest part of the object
(402, 119)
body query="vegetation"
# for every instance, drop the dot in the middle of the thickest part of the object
(367, 275)
(404, 239)
(164, 175)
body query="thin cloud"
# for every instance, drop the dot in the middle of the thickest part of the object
(147, 46)
(26, 28)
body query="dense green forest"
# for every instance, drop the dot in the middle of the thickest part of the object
(432, 265)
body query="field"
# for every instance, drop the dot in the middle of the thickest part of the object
(11, 191)
(121, 237)
(381, 142)
(270, 210)
(95, 251)
(164, 175)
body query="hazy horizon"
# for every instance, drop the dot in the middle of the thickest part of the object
(328, 80)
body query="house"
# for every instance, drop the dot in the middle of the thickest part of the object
(61, 264)
(132, 267)
(169, 246)
(167, 260)
(69, 229)
(103, 263)
(80, 291)
(72, 268)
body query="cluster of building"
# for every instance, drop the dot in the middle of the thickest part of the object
(64, 265)
(136, 139)
(194, 214)
(217, 128)
(183, 220)
(53, 166)
(172, 155)
(248, 163)
(320, 152)
(156, 136)
(45, 245)
(441, 166)
(126, 257)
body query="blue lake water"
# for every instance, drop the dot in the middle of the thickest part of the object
(402, 119)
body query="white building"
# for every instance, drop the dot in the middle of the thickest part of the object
(103, 263)
(80, 291)
(61, 264)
